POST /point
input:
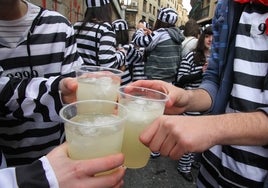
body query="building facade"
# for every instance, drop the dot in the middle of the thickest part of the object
(202, 11)
(147, 10)
(74, 10)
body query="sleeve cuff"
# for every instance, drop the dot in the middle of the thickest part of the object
(51, 177)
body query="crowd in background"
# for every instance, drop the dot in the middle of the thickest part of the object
(36, 63)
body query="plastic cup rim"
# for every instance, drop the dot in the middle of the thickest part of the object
(144, 88)
(99, 125)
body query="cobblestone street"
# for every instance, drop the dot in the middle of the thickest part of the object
(159, 173)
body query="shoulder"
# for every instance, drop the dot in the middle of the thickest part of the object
(51, 17)
(106, 26)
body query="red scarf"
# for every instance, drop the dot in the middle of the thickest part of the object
(264, 2)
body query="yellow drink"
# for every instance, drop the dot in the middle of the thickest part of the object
(92, 140)
(144, 106)
(91, 130)
(97, 82)
(139, 116)
(104, 88)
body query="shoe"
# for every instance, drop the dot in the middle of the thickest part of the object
(155, 155)
(187, 176)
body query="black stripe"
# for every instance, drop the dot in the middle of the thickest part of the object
(245, 157)
(6, 93)
(244, 29)
(31, 176)
(12, 63)
(243, 105)
(28, 133)
(249, 80)
(39, 107)
(252, 55)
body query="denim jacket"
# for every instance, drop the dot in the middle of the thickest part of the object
(218, 79)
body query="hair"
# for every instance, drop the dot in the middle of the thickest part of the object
(199, 56)
(97, 15)
(122, 37)
(159, 24)
(191, 28)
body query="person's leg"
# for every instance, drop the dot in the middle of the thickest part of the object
(184, 167)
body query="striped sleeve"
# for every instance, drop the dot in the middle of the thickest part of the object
(107, 51)
(39, 174)
(143, 40)
(97, 45)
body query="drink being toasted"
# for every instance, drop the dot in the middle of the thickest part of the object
(103, 87)
(91, 130)
(141, 114)
(97, 137)
(144, 106)
(95, 82)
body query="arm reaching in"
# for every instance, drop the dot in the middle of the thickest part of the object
(174, 136)
(180, 100)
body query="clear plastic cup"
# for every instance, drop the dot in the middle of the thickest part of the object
(144, 106)
(91, 130)
(96, 82)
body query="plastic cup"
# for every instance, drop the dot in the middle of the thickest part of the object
(91, 130)
(96, 82)
(144, 106)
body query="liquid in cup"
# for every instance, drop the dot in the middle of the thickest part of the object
(96, 82)
(91, 131)
(144, 106)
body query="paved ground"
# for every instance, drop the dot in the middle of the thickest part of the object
(159, 173)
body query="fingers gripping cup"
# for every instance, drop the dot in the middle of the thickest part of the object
(144, 106)
(96, 82)
(91, 130)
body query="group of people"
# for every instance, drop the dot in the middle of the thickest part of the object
(39, 47)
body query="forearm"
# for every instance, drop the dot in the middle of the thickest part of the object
(242, 129)
(239, 128)
(198, 100)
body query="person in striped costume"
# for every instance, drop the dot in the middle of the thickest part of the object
(134, 57)
(38, 50)
(234, 90)
(96, 39)
(162, 46)
(190, 72)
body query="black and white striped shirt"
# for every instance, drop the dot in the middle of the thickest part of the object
(97, 45)
(29, 95)
(233, 165)
(187, 68)
(134, 64)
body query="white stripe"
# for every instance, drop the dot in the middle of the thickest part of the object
(251, 94)
(251, 68)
